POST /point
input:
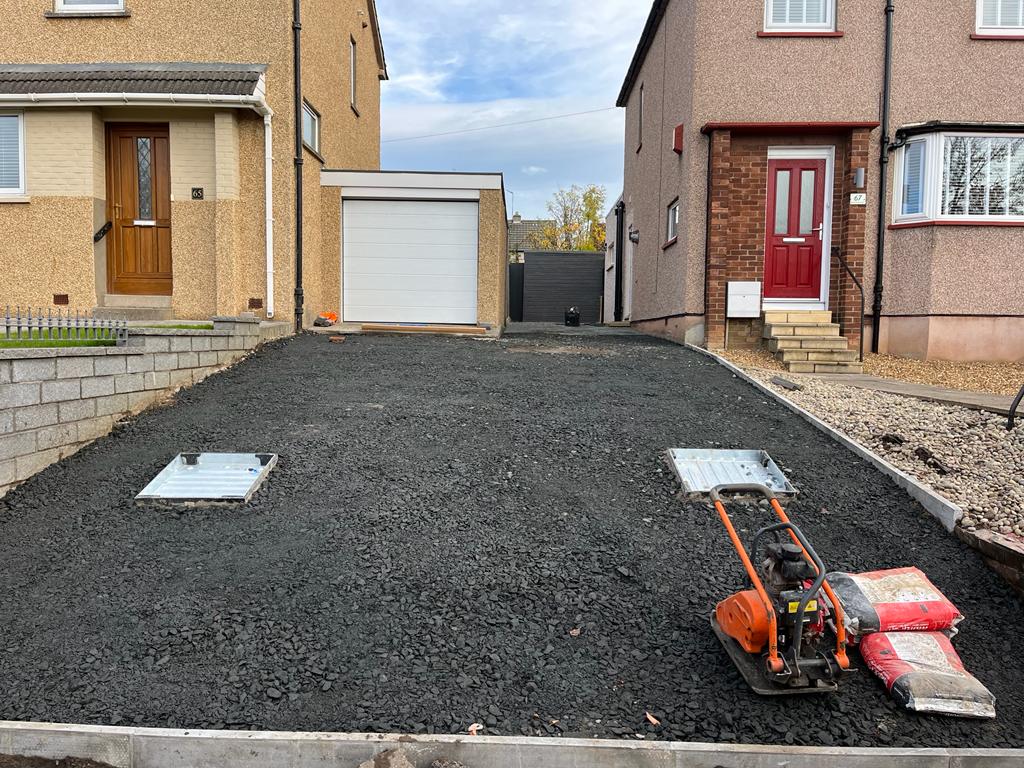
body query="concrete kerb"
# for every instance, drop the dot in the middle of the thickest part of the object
(162, 748)
(948, 513)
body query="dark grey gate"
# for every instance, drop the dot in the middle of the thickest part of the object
(516, 273)
(557, 280)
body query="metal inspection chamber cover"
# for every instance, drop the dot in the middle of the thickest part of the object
(700, 470)
(196, 478)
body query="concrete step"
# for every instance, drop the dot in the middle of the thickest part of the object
(135, 314)
(808, 342)
(809, 367)
(780, 330)
(797, 316)
(817, 356)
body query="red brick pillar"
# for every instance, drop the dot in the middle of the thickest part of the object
(846, 297)
(718, 237)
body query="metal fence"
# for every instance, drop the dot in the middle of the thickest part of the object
(26, 325)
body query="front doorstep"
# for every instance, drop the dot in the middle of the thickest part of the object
(792, 305)
(116, 300)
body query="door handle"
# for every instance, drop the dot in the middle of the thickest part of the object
(820, 230)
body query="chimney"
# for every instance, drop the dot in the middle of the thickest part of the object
(517, 218)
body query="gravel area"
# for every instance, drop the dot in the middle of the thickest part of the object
(459, 531)
(964, 454)
(991, 378)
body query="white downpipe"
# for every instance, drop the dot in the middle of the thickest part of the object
(268, 140)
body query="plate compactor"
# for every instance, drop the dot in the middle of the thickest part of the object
(778, 633)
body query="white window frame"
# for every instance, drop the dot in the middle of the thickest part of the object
(1001, 31)
(672, 222)
(20, 190)
(310, 110)
(61, 6)
(932, 193)
(829, 25)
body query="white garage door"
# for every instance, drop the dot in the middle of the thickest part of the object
(410, 261)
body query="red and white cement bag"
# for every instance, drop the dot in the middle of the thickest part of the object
(899, 600)
(925, 674)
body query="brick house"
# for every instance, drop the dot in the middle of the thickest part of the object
(756, 196)
(175, 121)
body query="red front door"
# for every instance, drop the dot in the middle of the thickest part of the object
(795, 232)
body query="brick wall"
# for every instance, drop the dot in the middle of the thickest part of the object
(59, 157)
(54, 402)
(738, 214)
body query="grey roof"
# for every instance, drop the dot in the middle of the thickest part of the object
(217, 79)
(520, 233)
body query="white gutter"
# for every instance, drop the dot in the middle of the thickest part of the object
(268, 140)
(257, 102)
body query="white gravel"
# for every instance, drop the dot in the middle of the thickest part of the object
(985, 463)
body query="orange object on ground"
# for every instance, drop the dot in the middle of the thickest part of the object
(744, 618)
(331, 316)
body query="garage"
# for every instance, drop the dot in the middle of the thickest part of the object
(418, 250)
(410, 261)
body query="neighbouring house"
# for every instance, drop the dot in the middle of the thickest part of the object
(148, 151)
(617, 282)
(775, 157)
(523, 235)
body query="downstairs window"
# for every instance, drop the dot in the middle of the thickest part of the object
(1001, 17)
(12, 154)
(962, 177)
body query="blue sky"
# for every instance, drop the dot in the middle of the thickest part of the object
(458, 64)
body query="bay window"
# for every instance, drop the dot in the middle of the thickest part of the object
(800, 15)
(961, 177)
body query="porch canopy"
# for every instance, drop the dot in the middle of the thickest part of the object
(108, 84)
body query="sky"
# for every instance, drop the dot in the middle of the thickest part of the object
(461, 64)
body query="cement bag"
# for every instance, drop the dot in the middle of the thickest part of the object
(924, 673)
(900, 600)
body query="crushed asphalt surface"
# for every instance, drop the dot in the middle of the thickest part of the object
(459, 531)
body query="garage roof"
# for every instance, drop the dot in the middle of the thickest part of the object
(219, 79)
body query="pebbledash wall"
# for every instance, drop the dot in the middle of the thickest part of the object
(53, 402)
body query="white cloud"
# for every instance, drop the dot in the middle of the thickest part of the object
(465, 64)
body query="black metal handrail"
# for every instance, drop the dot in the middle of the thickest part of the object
(839, 255)
(103, 232)
(1013, 410)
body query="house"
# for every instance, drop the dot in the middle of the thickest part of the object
(776, 158)
(523, 235)
(163, 160)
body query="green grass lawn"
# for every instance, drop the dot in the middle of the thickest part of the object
(14, 343)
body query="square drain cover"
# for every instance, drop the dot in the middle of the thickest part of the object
(701, 470)
(210, 477)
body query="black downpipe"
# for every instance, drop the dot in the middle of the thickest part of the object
(299, 295)
(883, 184)
(620, 246)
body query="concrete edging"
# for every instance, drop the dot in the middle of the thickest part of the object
(165, 748)
(948, 513)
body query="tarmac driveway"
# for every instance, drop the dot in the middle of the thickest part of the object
(458, 531)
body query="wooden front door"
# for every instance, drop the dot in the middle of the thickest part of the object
(139, 207)
(795, 229)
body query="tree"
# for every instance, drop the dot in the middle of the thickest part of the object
(578, 224)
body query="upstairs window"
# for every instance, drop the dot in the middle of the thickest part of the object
(962, 177)
(310, 127)
(88, 6)
(1001, 17)
(672, 228)
(800, 15)
(12, 154)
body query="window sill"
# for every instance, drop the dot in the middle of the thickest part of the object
(996, 36)
(954, 223)
(783, 33)
(670, 243)
(19, 199)
(88, 14)
(314, 153)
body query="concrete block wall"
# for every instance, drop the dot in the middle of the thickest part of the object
(53, 402)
